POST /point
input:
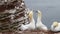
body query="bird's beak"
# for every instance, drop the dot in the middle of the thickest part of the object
(37, 11)
(55, 26)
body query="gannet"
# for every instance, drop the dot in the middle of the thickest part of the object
(39, 24)
(31, 25)
(55, 26)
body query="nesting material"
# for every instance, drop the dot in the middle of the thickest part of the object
(12, 14)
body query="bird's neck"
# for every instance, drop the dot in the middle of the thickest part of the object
(39, 20)
(32, 20)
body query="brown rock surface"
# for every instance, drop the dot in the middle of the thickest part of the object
(31, 32)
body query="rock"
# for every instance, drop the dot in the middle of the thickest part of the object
(12, 14)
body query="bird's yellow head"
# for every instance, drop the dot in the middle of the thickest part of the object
(30, 15)
(55, 24)
(39, 14)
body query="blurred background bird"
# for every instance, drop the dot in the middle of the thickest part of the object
(31, 25)
(55, 26)
(39, 24)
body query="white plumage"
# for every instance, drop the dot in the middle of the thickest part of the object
(6, 0)
(39, 24)
(55, 26)
(22, 4)
(12, 11)
(31, 25)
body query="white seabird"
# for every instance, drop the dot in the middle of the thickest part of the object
(31, 25)
(55, 26)
(39, 24)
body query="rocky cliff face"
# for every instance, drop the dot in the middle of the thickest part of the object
(12, 14)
